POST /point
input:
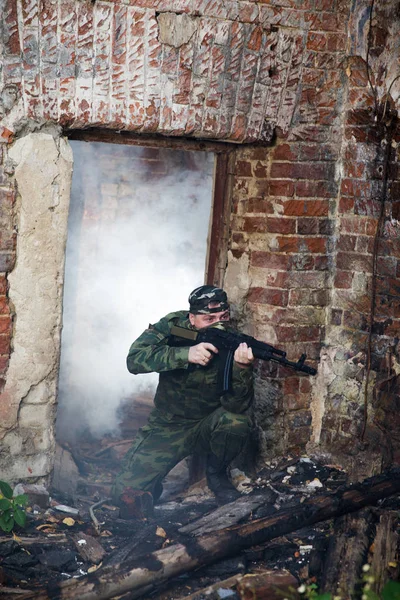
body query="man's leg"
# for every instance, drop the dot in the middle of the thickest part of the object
(222, 435)
(159, 446)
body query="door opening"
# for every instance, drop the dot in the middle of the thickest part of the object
(137, 245)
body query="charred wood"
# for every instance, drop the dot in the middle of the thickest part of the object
(228, 515)
(88, 548)
(162, 565)
(347, 553)
(385, 549)
(267, 585)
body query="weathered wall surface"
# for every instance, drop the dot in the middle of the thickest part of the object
(43, 170)
(300, 87)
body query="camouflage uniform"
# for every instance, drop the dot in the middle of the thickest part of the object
(189, 416)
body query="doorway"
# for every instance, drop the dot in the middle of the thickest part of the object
(137, 245)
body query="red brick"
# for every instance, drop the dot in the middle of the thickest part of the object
(310, 208)
(307, 226)
(7, 197)
(4, 307)
(259, 205)
(291, 385)
(322, 263)
(389, 286)
(261, 187)
(4, 344)
(288, 244)
(371, 226)
(281, 188)
(255, 224)
(324, 5)
(255, 39)
(258, 153)
(269, 260)
(347, 243)
(336, 42)
(386, 266)
(260, 170)
(287, 152)
(310, 279)
(354, 169)
(343, 279)
(4, 360)
(317, 41)
(326, 226)
(306, 170)
(352, 187)
(276, 279)
(358, 77)
(281, 225)
(324, 21)
(302, 262)
(243, 169)
(3, 285)
(354, 262)
(306, 189)
(305, 385)
(352, 225)
(346, 205)
(298, 334)
(11, 23)
(326, 189)
(365, 244)
(5, 324)
(302, 244)
(268, 296)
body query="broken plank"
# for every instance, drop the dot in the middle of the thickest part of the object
(166, 563)
(88, 548)
(347, 553)
(385, 565)
(8, 592)
(266, 585)
(226, 584)
(227, 515)
(58, 538)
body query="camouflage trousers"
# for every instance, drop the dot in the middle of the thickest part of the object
(167, 439)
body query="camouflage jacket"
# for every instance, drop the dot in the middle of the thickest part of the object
(185, 390)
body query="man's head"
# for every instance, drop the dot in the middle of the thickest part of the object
(208, 305)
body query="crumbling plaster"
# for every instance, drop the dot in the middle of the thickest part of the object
(43, 172)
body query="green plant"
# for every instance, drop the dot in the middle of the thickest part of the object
(391, 590)
(11, 508)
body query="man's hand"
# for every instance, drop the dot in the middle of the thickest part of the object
(202, 353)
(243, 355)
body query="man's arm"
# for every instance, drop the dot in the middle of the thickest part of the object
(150, 353)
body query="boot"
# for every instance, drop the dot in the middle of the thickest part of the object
(219, 482)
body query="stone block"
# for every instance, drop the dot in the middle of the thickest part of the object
(37, 494)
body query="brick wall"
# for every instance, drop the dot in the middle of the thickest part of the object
(287, 82)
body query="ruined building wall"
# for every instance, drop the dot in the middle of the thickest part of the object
(286, 82)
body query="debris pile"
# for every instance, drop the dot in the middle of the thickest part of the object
(62, 543)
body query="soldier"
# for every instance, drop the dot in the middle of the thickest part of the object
(189, 416)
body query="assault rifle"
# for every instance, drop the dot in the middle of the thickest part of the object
(227, 342)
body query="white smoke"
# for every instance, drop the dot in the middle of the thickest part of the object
(136, 247)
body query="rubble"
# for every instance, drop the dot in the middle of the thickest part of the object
(55, 548)
(37, 494)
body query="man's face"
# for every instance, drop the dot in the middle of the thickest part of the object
(205, 320)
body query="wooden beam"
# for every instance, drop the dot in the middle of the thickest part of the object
(145, 573)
